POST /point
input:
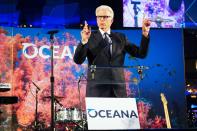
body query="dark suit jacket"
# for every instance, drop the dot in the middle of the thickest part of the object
(107, 82)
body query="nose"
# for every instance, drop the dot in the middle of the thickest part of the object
(102, 18)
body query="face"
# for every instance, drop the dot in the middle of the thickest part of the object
(104, 20)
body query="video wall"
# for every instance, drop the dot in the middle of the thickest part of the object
(159, 12)
(25, 58)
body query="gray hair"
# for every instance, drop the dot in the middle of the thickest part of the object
(105, 7)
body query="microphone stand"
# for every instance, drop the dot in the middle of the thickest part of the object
(36, 110)
(80, 78)
(36, 117)
(140, 70)
(52, 79)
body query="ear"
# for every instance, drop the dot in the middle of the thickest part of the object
(112, 20)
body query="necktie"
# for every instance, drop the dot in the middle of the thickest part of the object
(108, 42)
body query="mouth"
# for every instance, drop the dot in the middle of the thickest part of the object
(102, 24)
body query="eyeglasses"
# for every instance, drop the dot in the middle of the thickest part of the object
(103, 17)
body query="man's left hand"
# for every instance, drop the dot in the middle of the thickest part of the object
(146, 26)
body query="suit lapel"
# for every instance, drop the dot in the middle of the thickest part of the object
(98, 37)
(95, 40)
(98, 43)
(115, 42)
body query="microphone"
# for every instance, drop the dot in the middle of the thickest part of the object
(36, 85)
(52, 32)
(140, 70)
(143, 67)
(93, 70)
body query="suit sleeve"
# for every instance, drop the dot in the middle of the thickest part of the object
(80, 53)
(141, 51)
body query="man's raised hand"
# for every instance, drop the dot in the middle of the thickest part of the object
(85, 33)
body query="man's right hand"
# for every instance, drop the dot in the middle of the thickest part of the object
(85, 33)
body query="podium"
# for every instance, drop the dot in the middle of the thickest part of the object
(113, 85)
(125, 81)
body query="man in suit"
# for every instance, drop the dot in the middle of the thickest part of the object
(105, 51)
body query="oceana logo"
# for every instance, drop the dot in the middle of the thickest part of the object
(93, 113)
(44, 51)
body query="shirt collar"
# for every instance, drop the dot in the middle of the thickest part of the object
(102, 32)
